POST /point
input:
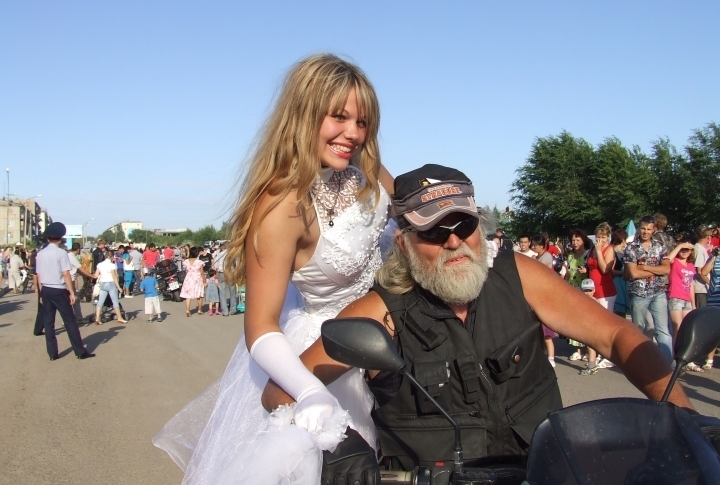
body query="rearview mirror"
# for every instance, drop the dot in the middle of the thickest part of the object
(361, 342)
(699, 334)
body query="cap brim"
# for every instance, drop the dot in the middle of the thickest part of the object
(428, 216)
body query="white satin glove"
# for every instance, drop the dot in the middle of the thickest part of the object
(273, 353)
(311, 411)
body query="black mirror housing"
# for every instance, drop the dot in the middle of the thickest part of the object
(699, 334)
(361, 342)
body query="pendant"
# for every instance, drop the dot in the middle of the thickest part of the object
(331, 223)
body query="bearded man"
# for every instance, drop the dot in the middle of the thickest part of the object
(471, 334)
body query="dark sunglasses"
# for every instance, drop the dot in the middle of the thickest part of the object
(440, 234)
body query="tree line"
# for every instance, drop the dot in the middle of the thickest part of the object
(144, 236)
(566, 182)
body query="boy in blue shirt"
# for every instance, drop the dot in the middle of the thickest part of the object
(148, 285)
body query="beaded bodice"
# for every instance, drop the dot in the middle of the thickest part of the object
(343, 266)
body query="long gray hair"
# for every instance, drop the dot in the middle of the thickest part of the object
(395, 274)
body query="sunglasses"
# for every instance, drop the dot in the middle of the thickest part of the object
(440, 234)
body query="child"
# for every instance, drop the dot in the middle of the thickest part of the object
(681, 291)
(588, 287)
(148, 285)
(212, 293)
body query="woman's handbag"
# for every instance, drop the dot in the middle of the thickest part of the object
(96, 289)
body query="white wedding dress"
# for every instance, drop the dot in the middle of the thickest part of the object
(224, 436)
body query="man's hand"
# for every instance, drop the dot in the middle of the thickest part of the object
(72, 298)
(352, 463)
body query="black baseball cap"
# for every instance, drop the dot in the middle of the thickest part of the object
(426, 195)
(56, 230)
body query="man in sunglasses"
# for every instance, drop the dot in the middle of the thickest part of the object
(471, 334)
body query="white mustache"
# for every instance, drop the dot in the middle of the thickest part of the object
(463, 250)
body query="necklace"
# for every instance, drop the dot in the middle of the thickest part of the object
(331, 211)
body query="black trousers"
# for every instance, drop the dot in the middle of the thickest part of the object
(57, 300)
(39, 326)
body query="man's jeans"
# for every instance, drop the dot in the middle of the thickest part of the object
(233, 296)
(137, 276)
(658, 307)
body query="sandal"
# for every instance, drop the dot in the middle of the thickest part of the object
(187, 314)
(98, 323)
(122, 322)
(693, 367)
(708, 365)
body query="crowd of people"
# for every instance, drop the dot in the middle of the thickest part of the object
(113, 273)
(654, 278)
(306, 236)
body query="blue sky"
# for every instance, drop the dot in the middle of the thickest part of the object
(145, 110)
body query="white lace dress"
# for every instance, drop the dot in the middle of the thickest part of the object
(224, 436)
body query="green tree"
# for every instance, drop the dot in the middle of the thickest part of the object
(668, 196)
(143, 236)
(620, 183)
(701, 179)
(552, 192)
(107, 235)
(206, 233)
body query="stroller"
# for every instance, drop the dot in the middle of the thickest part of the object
(107, 312)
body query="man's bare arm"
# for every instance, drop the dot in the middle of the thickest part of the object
(568, 311)
(635, 272)
(660, 270)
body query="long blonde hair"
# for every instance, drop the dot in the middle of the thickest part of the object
(286, 153)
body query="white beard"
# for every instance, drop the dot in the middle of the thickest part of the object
(455, 284)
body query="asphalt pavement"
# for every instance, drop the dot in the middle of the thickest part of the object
(91, 421)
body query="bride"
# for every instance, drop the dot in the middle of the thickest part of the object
(312, 208)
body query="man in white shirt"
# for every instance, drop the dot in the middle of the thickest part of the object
(14, 267)
(525, 250)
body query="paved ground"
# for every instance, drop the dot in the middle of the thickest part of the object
(91, 421)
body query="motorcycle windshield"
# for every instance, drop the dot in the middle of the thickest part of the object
(621, 441)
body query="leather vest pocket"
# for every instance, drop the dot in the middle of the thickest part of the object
(512, 358)
(434, 376)
(425, 440)
(530, 408)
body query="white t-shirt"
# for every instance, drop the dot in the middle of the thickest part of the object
(106, 268)
(530, 253)
(74, 265)
(701, 258)
(492, 250)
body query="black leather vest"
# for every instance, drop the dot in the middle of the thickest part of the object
(491, 374)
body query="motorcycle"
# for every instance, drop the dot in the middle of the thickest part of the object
(626, 441)
(169, 279)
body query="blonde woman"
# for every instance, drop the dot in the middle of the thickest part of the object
(600, 261)
(311, 212)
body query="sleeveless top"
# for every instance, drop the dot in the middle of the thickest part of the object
(604, 284)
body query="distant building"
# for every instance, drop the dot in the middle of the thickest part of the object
(21, 221)
(127, 228)
(169, 232)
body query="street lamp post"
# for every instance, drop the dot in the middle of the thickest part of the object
(7, 214)
(83, 231)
